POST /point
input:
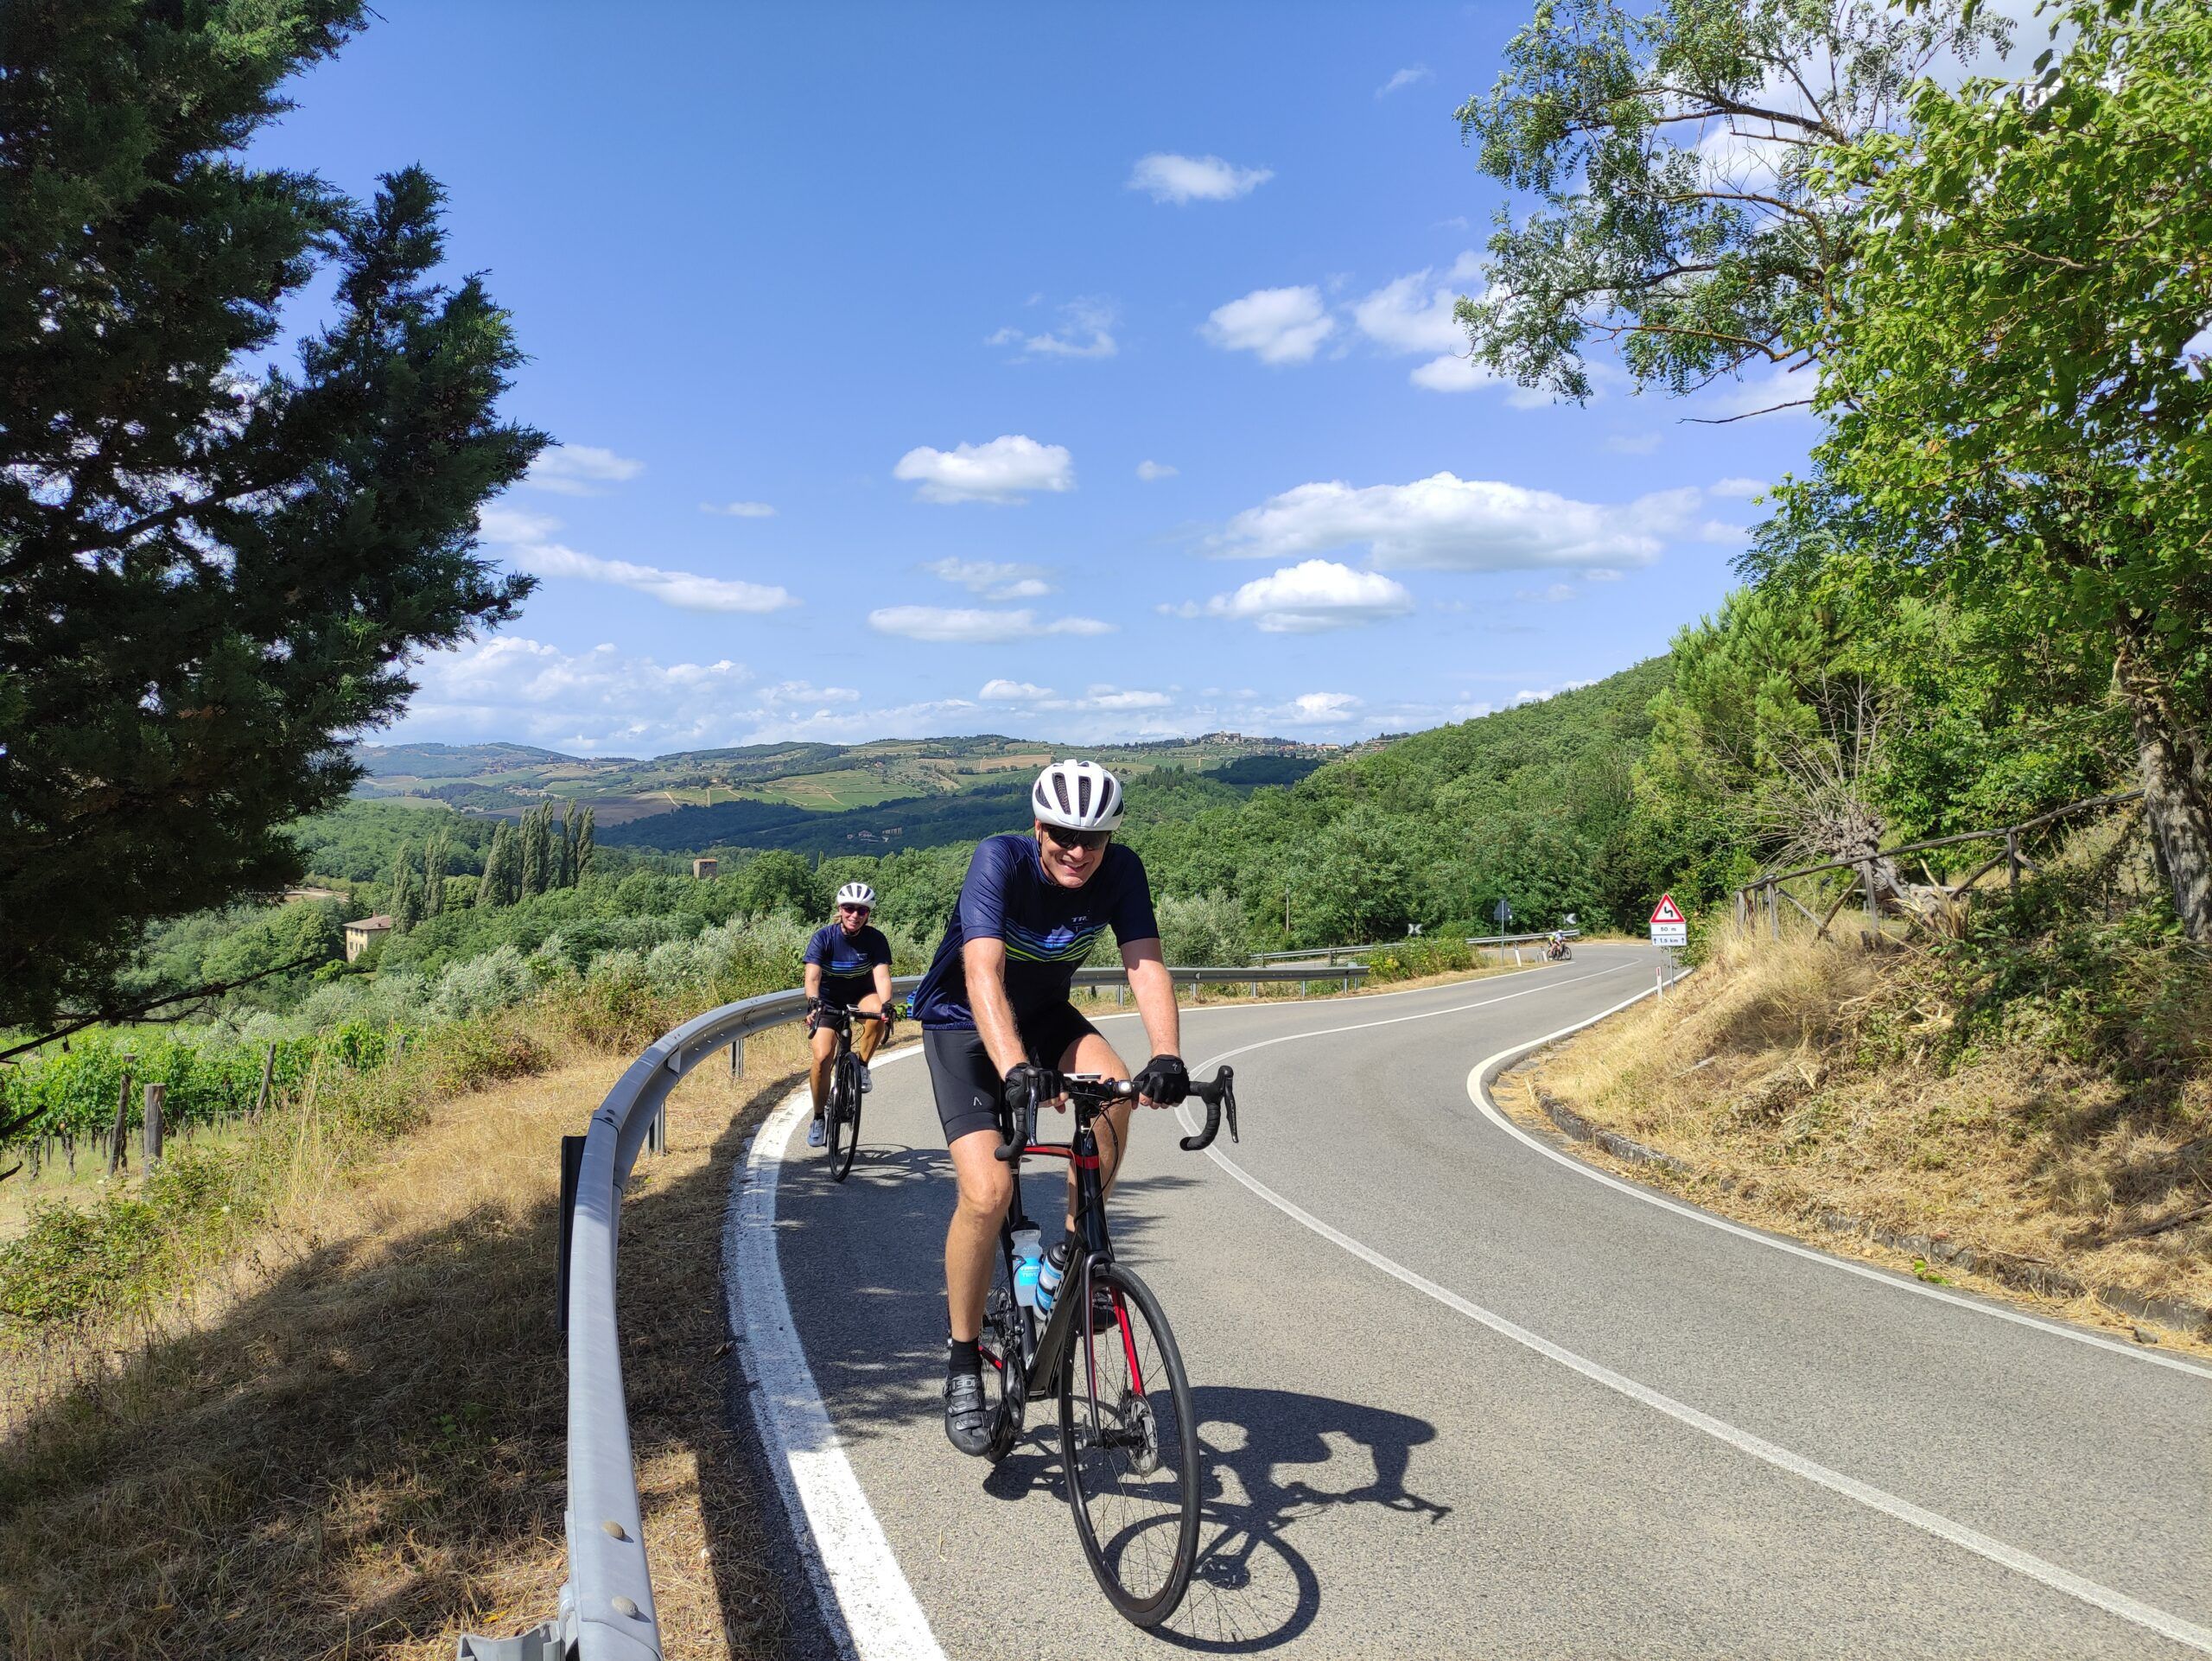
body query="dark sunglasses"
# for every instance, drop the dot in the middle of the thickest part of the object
(857, 911)
(1084, 839)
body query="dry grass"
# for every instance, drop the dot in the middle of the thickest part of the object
(1797, 1078)
(350, 1441)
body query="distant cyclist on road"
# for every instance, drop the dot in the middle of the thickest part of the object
(848, 967)
(995, 1009)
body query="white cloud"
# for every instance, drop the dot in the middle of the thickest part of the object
(606, 701)
(1552, 594)
(1743, 490)
(1086, 334)
(1171, 178)
(1454, 372)
(1281, 325)
(1447, 523)
(1111, 697)
(1403, 78)
(1414, 314)
(993, 579)
(1309, 597)
(1406, 314)
(1150, 471)
(1778, 395)
(997, 472)
(970, 625)
(740, 510)
(580, 470)
(498, 523)
(685, 590)
(1318, 709)
(1715, 530)
(524, 535)
(1551, 692)
(1601, 574)
(1012, 692)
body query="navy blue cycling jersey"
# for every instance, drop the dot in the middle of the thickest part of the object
(1048, 929)
(847, 960)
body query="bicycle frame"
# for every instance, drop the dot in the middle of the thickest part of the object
(1047, 1350)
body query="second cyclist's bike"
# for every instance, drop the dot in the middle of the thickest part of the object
(1128, 1443)
(841, 1114)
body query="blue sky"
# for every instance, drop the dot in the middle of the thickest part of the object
(1077, 375)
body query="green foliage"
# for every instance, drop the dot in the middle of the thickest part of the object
(74, 1092)
(214, 570)
(1411, 959)
(779, 880)
(2011, 394)
(1672, 152)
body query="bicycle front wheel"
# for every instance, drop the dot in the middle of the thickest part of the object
(1130, 1448)
(844, 1115)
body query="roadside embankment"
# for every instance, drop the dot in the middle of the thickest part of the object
(344, 1434)
(2007, 1120)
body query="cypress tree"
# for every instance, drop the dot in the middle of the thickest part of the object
(406, 909)
(434, 873)
(583, 845)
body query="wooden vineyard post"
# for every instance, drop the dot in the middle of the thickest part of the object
(118, 1157)
(268, 1076)
(156, 1096)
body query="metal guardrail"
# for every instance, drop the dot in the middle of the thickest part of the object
(606, 1611)
(1330, 954)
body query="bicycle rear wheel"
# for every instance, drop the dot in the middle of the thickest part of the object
(1130, 1448)
(844, 1115)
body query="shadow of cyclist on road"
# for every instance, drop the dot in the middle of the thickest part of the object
(1273, 1458)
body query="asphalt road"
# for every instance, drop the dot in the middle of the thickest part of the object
(1501, 1408)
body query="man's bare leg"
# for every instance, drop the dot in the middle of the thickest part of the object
(1091, 1053)
(986, 1190)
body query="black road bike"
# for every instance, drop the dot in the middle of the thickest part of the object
(841, 1113)
(1128, 1444)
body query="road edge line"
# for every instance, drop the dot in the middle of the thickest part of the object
(865, 1602)
(1485, 1071)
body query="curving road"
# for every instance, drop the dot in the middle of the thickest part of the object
(1459, 1396)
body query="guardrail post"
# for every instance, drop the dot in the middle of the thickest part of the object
(572, 1165)
(657, 1131)
(156, 1095)
(1773, 913)
(737, 1058)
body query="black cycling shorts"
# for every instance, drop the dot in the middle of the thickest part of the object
(966, 1081)
(846, 995)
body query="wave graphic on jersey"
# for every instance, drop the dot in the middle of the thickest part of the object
(1059, 945)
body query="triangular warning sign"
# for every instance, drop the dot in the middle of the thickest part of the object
(1668, 911)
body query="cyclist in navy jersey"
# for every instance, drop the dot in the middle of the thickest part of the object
(994, 1008)
(847, 965)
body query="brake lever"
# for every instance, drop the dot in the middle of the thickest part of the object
(1224, 1078)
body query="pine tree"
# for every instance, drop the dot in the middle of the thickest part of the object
(211, 564)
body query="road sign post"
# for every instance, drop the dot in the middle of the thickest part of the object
(1669, 931)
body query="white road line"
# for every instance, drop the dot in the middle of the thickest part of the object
(870, 1609)
(2103, 1597)
(1480, 1097)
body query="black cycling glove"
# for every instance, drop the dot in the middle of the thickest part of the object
(1020, 1079)
(1163, 1079)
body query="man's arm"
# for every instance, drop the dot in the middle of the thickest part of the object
(1156, 994)
(984, 960)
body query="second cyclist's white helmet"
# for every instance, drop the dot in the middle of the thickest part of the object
(857, 894)
(1078, 796)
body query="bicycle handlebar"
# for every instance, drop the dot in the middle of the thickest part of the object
(1218, 1093)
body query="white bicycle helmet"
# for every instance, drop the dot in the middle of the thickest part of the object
(857, 894)
(1078, 796)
